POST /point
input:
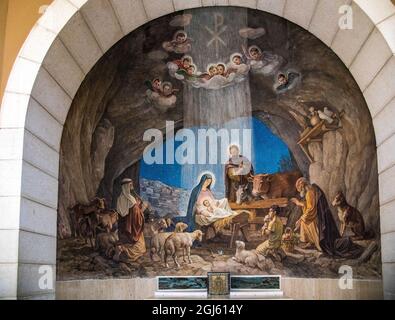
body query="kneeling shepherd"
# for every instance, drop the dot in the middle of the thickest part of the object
(274, 230)
(130, 208)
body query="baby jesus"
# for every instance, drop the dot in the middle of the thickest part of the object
(212, 211)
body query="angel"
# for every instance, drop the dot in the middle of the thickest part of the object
(236, 65)
(155, 85)
(221, 70)
(164, 99)
(286, 81)
(180, 43)
(212, 71)
(168, 90)
(154, 89)
(253, 53)
(184, 63)
(265, 63)
(189, 74)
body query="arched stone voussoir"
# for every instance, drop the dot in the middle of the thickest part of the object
(252, 4)
(348, 42)
(325, 21)
(102, 22)
(51, 96)
(383, 124)
(78, 3)
(68, 74)
(158, 8)
(183, 5)
(57, 15)
(272, 6)
(131, 14)
(381, 90)
(300, 12)
(377, 10)
(387, 28)
(365, 68)
(382, 14)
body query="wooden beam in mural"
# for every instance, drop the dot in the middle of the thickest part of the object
(260, 204)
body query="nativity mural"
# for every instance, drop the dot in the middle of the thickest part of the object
(218, 140)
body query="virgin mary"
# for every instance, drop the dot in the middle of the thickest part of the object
(205, 210)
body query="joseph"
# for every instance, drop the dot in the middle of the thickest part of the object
(237, 171)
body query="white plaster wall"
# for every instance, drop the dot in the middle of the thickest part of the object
(144, 288)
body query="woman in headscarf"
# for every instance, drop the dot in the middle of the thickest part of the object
(130, 208)
(198, 214)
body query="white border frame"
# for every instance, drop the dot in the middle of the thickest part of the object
(179, 290)
(256, 290)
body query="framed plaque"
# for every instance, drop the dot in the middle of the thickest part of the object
(270, 283)
(181, 283)
(218, 283)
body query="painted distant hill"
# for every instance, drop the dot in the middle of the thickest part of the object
(164, 199)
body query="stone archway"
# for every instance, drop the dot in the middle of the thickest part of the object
(77, 33)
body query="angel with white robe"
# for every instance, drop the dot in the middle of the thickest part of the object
(265, 63)
(180, 44)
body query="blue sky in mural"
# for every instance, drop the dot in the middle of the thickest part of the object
(267, 148)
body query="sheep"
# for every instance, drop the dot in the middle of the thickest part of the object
(251, 258)
(158, 239)
(181, 241)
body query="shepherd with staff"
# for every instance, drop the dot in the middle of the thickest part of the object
(131, 209)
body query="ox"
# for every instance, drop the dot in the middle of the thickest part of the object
(273, 186)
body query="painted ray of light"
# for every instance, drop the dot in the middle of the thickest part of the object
(267, 152)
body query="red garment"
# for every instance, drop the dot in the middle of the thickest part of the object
(179, 64)
(135, 222)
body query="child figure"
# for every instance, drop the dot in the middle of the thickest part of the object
(188, 73)
(237, 66)
(191, 70)
(179, 44)
(157, 85)
(282, 79)
(236, 59)
(287, 81)
(154, 90)
(212, 71)
(167, 89)
(184, 63)
(208, 206)
(265, 63)
(221, 70)
(214, 211)
(255, 53)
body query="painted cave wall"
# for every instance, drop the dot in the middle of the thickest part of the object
(102, 138)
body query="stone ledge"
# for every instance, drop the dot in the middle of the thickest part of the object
(143, 288)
